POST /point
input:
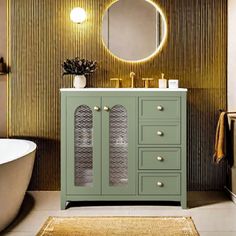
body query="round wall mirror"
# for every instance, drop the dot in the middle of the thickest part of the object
(134, 30)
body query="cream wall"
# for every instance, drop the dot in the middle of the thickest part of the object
(232, 79)
(3, 79)
(231, 55)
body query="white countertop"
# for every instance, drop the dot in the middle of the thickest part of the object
(122, 89)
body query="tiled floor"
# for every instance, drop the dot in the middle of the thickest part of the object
(213, 213)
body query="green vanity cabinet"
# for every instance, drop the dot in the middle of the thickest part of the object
(123, 145)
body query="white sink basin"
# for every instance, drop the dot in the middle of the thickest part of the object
(122, 89)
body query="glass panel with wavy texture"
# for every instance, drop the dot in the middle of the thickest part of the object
(83, 146)
(118, 162)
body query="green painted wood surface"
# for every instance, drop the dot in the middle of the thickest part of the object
(129, 105)
(148, 133)
(141, 176)
(149, 159)
(123, 198)
(148, 184)
(184, 150)
(72, 104)
(63, 151)
(169, 108)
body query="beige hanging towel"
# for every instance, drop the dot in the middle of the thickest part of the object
(222, 138)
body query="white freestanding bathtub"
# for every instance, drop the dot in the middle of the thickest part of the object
(16, 165)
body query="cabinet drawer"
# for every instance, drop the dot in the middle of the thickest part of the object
(161, 184)
(159, 133)
(159, 159)
(159, 108)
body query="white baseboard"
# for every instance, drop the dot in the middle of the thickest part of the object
(231, 194)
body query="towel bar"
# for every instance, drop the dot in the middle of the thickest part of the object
(227, 112)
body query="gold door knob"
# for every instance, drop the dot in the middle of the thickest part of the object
(160, 184)
(159, 133)
(160, 108)
(96, 108)
(160, 158)
(106, 108)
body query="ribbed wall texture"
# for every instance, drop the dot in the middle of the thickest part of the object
(42, 36)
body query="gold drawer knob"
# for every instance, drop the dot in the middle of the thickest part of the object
(96, 108)
(159, 133)
(160, 158)
(160, 108)
(160, 184)
(106, 108)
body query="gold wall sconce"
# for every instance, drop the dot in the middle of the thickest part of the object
(78, 15)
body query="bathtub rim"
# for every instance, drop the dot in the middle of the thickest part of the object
(32, 148)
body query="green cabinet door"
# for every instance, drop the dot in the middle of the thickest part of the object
(118, 146)
(83, 119)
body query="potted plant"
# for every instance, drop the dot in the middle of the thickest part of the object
(79, 68)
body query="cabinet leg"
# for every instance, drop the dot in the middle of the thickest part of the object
(63, 204)
(184, 204)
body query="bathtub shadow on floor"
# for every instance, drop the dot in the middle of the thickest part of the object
(26, 207)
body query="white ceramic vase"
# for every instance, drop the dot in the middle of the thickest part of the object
(79, 81)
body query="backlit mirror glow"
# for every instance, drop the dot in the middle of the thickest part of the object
(134, 30)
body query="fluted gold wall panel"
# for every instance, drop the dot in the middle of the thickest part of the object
(42, 36)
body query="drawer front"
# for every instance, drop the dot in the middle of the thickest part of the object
(159, 159)
(159, 133)
(159, 184)
(159, 108)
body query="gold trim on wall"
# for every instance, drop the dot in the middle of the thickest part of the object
(9, 65)
(42, 36)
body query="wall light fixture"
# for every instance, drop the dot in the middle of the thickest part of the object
(78, 15)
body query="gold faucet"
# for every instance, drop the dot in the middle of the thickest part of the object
(132, 75)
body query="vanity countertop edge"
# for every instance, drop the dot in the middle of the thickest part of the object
(122, 90)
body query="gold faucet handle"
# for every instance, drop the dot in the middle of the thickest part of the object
(147, 82)
(132, 74)
(117, 80)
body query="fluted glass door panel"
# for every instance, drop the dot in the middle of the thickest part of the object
(83, 164)
(118, 162)
(118, 145)
(83, 146)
